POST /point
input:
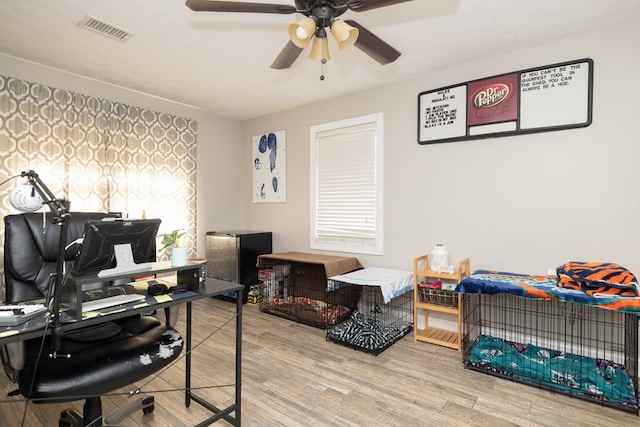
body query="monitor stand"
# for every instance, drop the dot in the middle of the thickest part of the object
(125, 263)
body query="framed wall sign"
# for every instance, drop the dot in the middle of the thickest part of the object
(548, 98)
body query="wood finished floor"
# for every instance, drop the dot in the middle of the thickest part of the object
(293, 377)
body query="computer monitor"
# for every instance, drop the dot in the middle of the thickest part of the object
(113, 247)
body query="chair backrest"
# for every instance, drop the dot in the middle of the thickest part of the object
(31, 251)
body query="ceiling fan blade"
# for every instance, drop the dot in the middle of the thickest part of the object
(373, 46)
(287, 56)
(361, 6)
(235, 6)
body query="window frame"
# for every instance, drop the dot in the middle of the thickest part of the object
(337, 129)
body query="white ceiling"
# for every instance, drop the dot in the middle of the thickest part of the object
(220, 62)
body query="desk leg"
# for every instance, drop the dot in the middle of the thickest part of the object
(187, 380)
(236, 407)
(238, 358)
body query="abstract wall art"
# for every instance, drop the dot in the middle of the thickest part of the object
(270, 168)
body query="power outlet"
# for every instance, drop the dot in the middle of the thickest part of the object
(551, 272)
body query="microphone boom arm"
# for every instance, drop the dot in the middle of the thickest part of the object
(60, 208)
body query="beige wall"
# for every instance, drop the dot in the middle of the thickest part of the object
(219, 153)
(523, 204)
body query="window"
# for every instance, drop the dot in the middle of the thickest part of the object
(346, 185)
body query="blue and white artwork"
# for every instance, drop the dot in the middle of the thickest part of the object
(270, 168)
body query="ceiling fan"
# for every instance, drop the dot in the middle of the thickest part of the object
(321, 15)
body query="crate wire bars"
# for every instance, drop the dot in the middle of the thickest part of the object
(374, 326)
(583, 351)
(298, 291)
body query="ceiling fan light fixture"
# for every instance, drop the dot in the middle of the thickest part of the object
(300, 33)
(344, 34)
(320, 49)
(320, 16)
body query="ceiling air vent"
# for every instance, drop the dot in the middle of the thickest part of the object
(104, 28)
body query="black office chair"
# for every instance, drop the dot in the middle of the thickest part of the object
(104, 358)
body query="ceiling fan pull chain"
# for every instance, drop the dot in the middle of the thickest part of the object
(322, 62)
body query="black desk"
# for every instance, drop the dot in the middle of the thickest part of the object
(212, 287)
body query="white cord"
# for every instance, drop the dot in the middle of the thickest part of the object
(78, 241)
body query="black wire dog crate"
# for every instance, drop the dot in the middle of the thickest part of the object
(583, 351)
(298, 291)
(374, 325)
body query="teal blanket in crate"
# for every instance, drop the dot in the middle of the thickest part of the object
(593, 378)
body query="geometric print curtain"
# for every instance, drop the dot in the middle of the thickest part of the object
(101, 155)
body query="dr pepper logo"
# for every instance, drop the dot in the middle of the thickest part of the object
(488, 98)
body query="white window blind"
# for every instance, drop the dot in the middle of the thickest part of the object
(346, 186)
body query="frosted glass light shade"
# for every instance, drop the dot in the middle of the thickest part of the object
(300, 33)
(320, 49)
(344, 34)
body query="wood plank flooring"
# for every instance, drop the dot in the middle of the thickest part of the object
(293, 377)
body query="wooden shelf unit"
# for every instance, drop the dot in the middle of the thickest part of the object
(444, 337)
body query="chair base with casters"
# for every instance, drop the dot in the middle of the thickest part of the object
(139, 347)
(92, 410)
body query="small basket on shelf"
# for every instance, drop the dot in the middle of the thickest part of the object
(431, 293)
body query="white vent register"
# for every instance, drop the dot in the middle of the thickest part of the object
(104, 28)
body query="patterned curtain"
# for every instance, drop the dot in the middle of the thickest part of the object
(100, 155)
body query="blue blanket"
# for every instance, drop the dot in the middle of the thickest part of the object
(495, 282)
